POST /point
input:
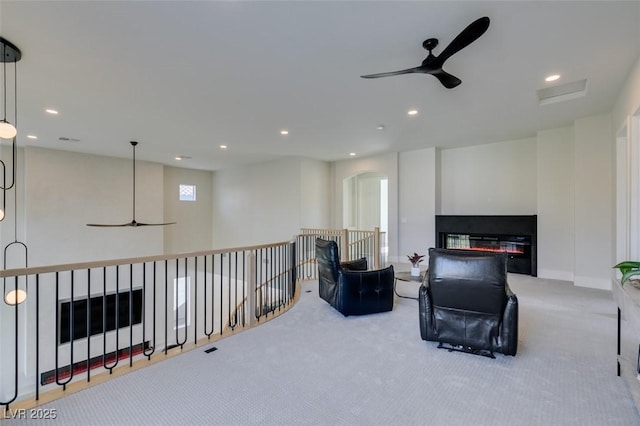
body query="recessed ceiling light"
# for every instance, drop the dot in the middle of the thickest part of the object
(223, 147)
(182, 157)
(32, 136)
(380, 127)
(552, 77)
(412, 112)
(284, 132)
(353, 154)
(51, 111)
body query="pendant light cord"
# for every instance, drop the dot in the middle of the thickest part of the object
(15, 151)
(133, 143)
(4, 80)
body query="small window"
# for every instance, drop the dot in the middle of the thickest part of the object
(187, 192)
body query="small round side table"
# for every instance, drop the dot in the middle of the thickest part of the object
(406, 276)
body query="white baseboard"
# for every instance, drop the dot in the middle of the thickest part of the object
(555, 274)
(590, 282)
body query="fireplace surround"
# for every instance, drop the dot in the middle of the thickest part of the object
(515, 235)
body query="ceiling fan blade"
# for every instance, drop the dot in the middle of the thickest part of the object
(101, 225)
(449, 81)
(388, 74)
(465, 38)
(132, 223)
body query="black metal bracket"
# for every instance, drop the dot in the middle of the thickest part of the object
(619, 341)
(466, 349)
(10, 52)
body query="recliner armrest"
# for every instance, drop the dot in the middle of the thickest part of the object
(510, 326)
(425, 310)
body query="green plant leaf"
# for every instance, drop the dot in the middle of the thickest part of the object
(629, 274)
(628, 264)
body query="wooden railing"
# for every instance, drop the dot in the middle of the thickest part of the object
(83, 322)
(83, 319)
(352, 245)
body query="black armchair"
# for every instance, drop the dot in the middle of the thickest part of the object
(349, 287)
(465, 302)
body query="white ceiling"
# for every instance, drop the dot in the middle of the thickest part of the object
(184, 77)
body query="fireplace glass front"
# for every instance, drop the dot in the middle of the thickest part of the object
(518, 248)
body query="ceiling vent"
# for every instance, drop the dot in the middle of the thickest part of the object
(65, 139)
(562, 92)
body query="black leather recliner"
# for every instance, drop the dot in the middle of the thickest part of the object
(349, 287)
(465, 302)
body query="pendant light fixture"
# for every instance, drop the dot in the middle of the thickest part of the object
(10, 53)
(16, 292)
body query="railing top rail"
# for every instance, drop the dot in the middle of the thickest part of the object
(307, 231)
(326, 230)
(360, 240)
(323, 234)
(127, 261)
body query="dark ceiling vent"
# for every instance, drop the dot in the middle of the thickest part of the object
(65, 139)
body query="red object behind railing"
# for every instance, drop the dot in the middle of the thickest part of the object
(490, 249)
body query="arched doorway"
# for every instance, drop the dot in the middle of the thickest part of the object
(365, 201)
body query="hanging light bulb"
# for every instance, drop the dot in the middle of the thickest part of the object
(1, 214)
(7, 130)
(10, 54)
(15, 297)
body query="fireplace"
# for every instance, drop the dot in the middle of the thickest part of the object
(514, 235)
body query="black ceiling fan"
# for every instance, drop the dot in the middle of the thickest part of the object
(133, 221)
(433, 64)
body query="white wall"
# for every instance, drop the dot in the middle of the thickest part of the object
(416, 202)
(194, 228)
(248, 210)
(628, 101)
(626, 125)
(492, 179)
(555, 199)
(369, 201)
(593, 156)
(65, 191)
(564, 175)
(261, 203)
(315, 209)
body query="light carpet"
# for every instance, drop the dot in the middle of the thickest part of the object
(312, 366)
